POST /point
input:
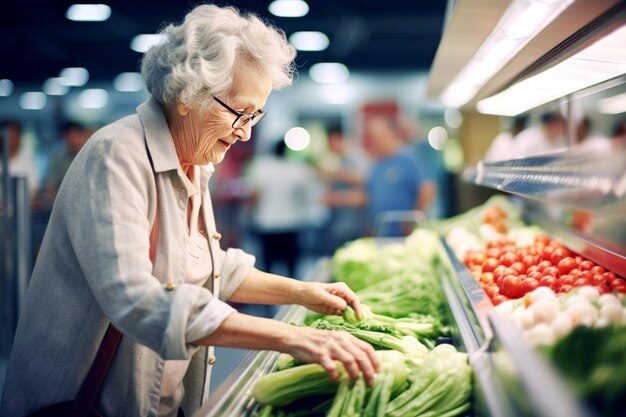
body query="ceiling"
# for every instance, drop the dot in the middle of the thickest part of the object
(37, 41)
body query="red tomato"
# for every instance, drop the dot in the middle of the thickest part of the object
(579, 259)
(543, 265)
(508, 249)
(493, 252)
(586, 265)
(566, 280)
(529, 260)
(547, 281)
(486, 278)
(565, 265)
(511, 286)
(547, 253)
(617, 283)
(492, 290)
(581, 282)
(598, 279)
(507, 259)
(518, 266)
(536, 275)
(610, 276)
(529, 285)
(499, 271)
(603, 289)
(588, 275)
(542, 239)
(551, 270)
(565, 288)
(499, 299)
(490, 264)
(576, 272)
(598, 269)
(621, 289)
(531, 269)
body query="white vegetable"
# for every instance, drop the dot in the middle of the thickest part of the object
(582, 312)
(613, 313)
(574, 299)
(541, 334)
(561, 325)
(609, 298)
(544, 311)
(589, 293)
(527, 319)
(505, 309)
(601, 322)
(542, 293)
(488, 232)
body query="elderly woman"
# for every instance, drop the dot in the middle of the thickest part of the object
(132, 241)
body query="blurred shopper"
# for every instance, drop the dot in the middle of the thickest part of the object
(394, 182)
(281, 193)
(75, 136)
(21, 160)
(347, 172)
(547, 137)
(132, 241)
(588, 140)
(503, 146)
(430, 162)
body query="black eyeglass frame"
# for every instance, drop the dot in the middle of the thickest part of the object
(252, 118)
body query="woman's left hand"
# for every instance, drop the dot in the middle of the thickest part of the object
(328, 298)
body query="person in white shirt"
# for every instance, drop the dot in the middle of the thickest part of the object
(503, 145)
(547, 137)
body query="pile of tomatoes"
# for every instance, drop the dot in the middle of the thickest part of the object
(508, 272)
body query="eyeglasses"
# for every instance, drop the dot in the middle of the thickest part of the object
(242, 118)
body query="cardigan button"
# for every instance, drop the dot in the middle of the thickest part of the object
(212, 360)
(170, 286)
(217, 236)
(217, 275)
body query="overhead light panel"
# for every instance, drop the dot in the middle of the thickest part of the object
(93, 98)
(55, 87)
(599, 62)
(88, 12)
(33, 100)
(520, 23)
(309, 41)
(141, 43)
(128, 82)
(6, 87)
(329, 72)
(74, 76)
(288, 8)
(337, 93)
(613, 105)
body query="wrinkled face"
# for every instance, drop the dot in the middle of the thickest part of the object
(210, 135)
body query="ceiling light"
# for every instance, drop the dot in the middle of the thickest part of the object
(453, 118)
(288, 8)
(437, 137)
(33, 100)
(329, 72)
(309, 41)
(128, 82)
(93, 98)
(74, 77)
(297, 139)
(141, 43)
(599, 62)
(337, 93)
(88, 12)
(6, 87)
(520, 23)
(613, 105)
(55, 87)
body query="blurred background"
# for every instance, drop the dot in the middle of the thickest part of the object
(68, 70)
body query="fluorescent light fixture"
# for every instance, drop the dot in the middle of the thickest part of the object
(93, 98)
(437, 137)
(599, 62)
(141, 43)
(297, 139)
(337, 93)
(55, 87)
(309, 41)
(613, 105)
(74, 77)
(88, 12)
(520, 23)
(6, 87)
(33, 100)
(288, 8)
(128, 82)
(329, 72)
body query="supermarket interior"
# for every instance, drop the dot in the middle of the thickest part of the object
(435, 192)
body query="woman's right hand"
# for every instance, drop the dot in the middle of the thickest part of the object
(325, 347)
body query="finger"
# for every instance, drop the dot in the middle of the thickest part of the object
(349, 362)
(343, 291)
(363, 361)
(333, 301)
(330, 367)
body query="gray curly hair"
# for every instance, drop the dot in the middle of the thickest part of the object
(198, 57)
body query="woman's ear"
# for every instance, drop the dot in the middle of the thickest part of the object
(182, 108)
